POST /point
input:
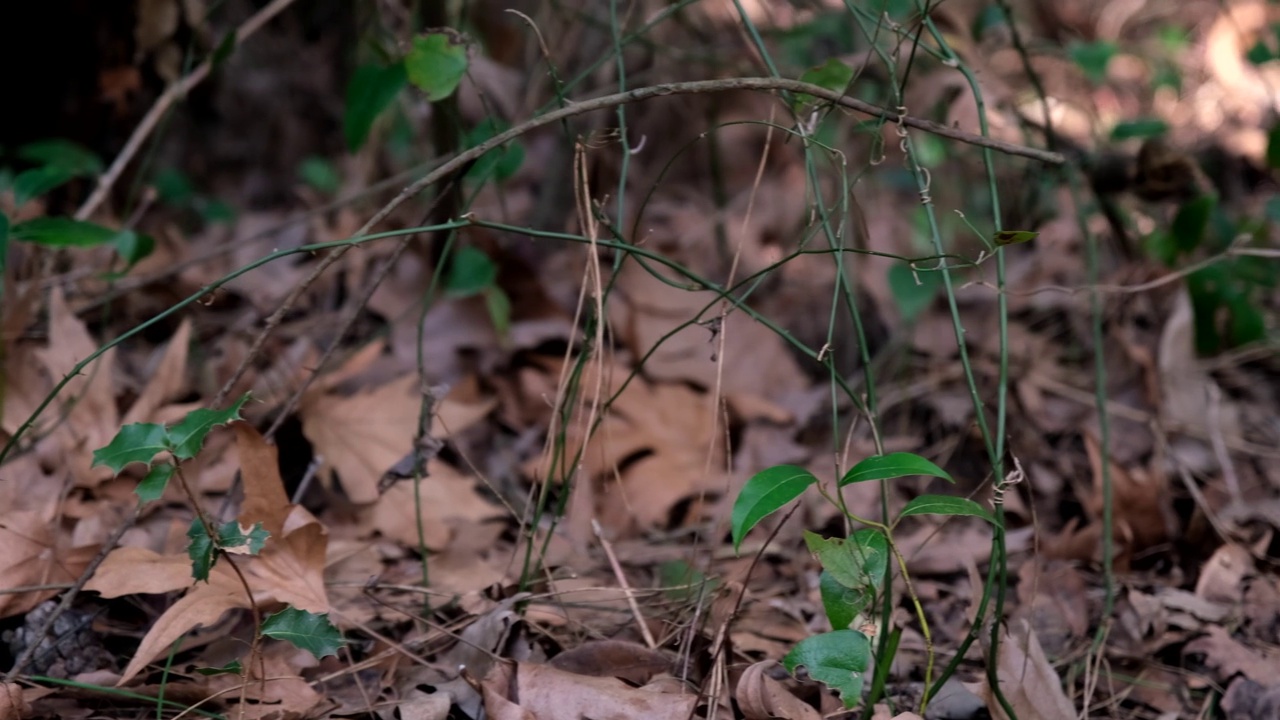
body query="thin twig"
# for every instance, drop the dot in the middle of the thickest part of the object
(626, 586)
(171, 95)
(70, 596)
(466, 157)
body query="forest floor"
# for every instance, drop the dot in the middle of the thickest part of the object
(504, 457)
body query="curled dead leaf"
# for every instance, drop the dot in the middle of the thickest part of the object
(761, 697)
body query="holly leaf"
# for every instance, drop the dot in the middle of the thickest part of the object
(188, 434)
(153, 485)
(137, 442)
(308, 631)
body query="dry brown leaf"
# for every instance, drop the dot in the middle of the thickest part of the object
(34, 552)
(545, 692)
(1186, 387)
(1142, 514)
(1053, 597)
(13, 705)
(761, 697)
(1222, 577)
(882, 712)
(419, 705)
(203, 605)
(25, 388)
(1229, 657)
(362, 435)
(755, 360)
(265, 500)
(1248, 700)
(136, 570)
(284, 695)
(624, 660)
(672, 426)
(1026, 678)
(445, 497)
(167, 381)
(88, 400)
(290, 569)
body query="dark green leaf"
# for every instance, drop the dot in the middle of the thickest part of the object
(1014, 237)
(436, 61)
(857, 562)
(837, 658)
(308, 631)
(841, 603)
(232, 668)
(138, 442)
(216, 211)
(913, 291)
(684, 583)
(225, 47)
(236, 538)
(766, 492)
(1144, 128)
(173, 187)
(61, 232)
(70, 156)
(37, 181)
(1160, 245)
(501, 162)
(201, 550)
(893, 465)
(499, 306)
(188, 434)
(991, 18)
(470, 273)
(1260, 53)
(371, 90)
(320, 174)
(153, 485)
(1273, 147)
(832, 75)
(4, 249)
(1207, 289)
(945, 505)
(1189, 224)
(1093, 58)
(133, 247)
(1248, 325)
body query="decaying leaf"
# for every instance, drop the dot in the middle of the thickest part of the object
(1027, 680)
(364, 434)
(760, 696)
(545, 692)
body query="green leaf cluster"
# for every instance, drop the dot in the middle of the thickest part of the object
(1228, 295)
(434, 63)
(853, 568)
(141, 442)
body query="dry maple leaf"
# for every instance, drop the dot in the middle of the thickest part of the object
(445, 497)
(290, 568)
(88, 400)
(754, 362)
(33, 551)
(362, 435)
(670, 428)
